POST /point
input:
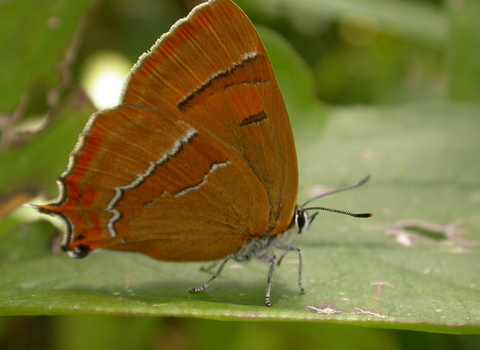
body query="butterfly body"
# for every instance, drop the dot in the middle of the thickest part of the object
(197, 162)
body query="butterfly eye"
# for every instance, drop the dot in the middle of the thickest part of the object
(302, 221)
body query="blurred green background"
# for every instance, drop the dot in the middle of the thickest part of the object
(378, 57)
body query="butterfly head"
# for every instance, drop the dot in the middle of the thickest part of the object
(302, 220)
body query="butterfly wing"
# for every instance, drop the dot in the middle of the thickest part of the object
(197, 159)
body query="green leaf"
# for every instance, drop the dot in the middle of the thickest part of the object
(423, 162)
(36, 165)
(411, 21)
(464, 51)
(36, 36)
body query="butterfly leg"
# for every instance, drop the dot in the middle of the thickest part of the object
(273, 266)
(219, 271)
(300, 264)
(281, 258)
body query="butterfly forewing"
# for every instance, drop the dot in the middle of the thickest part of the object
(217, 73)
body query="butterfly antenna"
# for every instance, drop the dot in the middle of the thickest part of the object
(361, 182)
(355, 215)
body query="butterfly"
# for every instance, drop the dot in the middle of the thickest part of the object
(197, 162)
